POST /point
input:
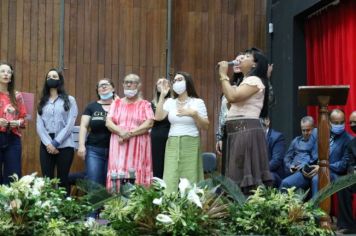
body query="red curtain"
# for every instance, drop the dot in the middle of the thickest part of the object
(331, 51)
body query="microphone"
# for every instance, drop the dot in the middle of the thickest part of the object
(231, 63)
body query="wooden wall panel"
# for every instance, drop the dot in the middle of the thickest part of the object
(111, 38)
(208, 31)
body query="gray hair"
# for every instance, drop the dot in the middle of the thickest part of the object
(307, 119)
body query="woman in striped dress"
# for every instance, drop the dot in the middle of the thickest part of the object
(129, 120)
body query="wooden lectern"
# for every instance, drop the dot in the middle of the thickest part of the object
(323, 96)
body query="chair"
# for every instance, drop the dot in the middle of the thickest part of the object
(75, 135)
(209, 162)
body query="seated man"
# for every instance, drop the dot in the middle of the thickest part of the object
(345, 221)
(300, 153)
(338, 154)
(276, 151)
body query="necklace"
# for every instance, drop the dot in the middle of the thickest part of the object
(182, 103)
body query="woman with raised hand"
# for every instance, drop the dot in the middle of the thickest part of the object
(187, 114)
(57, 112)
(159, 131)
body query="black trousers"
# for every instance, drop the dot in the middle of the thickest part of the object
(345, 219)
(61, 161)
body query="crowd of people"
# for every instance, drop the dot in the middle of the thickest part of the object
(161, 138)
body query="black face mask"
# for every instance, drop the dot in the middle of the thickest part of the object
(53, 83)
(353, 128)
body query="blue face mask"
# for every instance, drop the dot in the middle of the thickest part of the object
(337, 129)
(106, 96)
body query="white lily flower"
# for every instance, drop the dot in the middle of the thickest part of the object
(90, 222)
(194, 198)
(27, 179)
(184, 184)
(38, 184)
(198, 190)
(160, 182)
(15, 204)
(157, 201)
(164, 219)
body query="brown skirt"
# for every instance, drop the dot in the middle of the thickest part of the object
(246, 154)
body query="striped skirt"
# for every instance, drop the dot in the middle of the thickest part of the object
(182, 160)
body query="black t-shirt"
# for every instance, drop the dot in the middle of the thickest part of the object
(99, 135)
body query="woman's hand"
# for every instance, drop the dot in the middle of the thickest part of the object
(223, 67)
(186, 112)
(81, 152)
(3, 122)
(51, 149)
(164, 88)
(124, 135)
(14, 123)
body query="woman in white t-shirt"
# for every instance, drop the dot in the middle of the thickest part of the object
(246, 150)
(187, 114)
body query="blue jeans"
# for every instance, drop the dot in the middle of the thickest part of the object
(297, 179)
(96, 162)
(10, 156)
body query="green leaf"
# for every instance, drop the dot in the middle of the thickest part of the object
(337, 185)
(231, 188)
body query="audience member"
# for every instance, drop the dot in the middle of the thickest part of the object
(338, 153)
(57, 112)
(94, 136)
(301, 152)
(187, 114)
(12, 119)
(159, 131)
(276, 150)
(129, 120)
(247, 154)
(345, 221)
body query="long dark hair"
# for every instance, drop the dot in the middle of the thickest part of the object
(189, 85)
(60, 89)
(11, 86)
(260, 71)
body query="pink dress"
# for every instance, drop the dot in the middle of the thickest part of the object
(136, 152)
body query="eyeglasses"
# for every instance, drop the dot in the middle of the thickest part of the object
(104, 85)
(127, 82)
(8, 71)
(306, 130)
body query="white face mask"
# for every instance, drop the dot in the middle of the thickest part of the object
(179, 87)
(130, 93)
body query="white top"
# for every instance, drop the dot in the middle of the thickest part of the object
(184, 125)
(250, 108)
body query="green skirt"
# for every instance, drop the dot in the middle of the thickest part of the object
(182, 160)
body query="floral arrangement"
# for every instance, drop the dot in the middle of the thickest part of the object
(191, 211)
(270, 212)
(35, 206)
(197, 210)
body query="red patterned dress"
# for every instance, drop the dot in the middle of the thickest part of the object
(136, 152)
